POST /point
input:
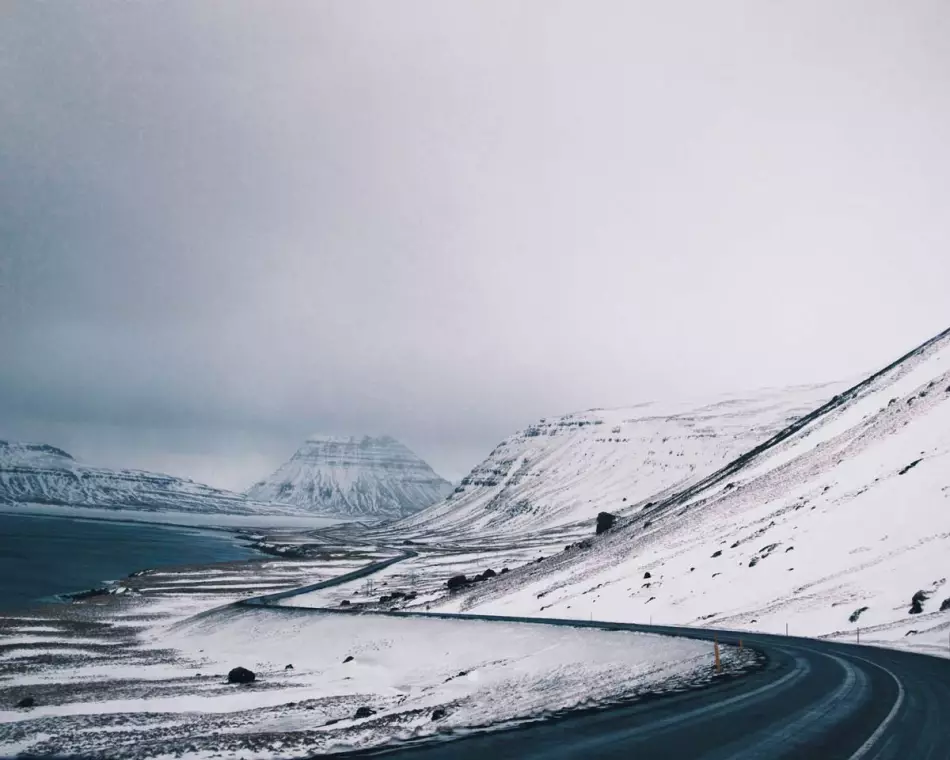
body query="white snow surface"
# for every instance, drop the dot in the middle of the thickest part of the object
(353, 477)
(565, 469)
(835, 528)
(482, 674)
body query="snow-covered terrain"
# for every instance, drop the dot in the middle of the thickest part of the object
(32, 473)
(149, 679)
(565, 469)
(353, 477)
(839, 522)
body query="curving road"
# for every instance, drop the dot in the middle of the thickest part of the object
(813, 699)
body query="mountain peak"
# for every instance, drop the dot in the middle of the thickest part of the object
(353, 476)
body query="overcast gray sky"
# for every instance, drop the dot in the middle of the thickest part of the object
(226, 225)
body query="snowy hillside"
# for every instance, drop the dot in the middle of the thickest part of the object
(840, 521)
(41, 474)
(348, 476)
(569, 468)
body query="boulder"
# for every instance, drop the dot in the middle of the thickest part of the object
(605, 521)
(438, 713)
(504, 570)
(856, 614)
(349, 658)
(456, 582)
(717, 553)
(345, 603)
(26, 702)
(241, 675)
(364, 712)
(945, 605)
(917, 602)
(288, 667)
(647, 575)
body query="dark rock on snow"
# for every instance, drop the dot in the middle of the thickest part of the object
(605, 521)
(26, 702)
(349, 658)
(456, 582)
(647, 574)
(345, 603)
(917, 602)
(438, 713)
(288, 667)
(945, 605)
(241, 675)
(364, 712)
(856, 614)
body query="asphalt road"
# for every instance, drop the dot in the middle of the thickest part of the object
(813, 699)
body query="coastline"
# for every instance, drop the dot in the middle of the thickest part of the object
(194, 520)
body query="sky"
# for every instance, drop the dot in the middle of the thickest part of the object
(227, 225)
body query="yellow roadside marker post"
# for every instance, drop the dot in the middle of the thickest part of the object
(716, 646)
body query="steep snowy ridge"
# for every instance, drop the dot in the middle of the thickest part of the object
(40, 474)
(839, 521)
(354, 477)
(566, 469)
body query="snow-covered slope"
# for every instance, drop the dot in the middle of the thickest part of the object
(40, 474)
(348, 476)
(569, 468)
(838, 522)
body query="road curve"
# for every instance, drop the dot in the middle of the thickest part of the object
(813, 699)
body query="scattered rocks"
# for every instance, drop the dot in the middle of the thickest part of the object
(241, 675)
(456, 582)
(26, 702)
(753, 562)
(647, 575)
(605, 521)
(717, 553)
(856, 614)
(349, 658)
(363, 712)
(288, 667)
(438, 713)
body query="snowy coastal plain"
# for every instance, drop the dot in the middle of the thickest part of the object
(152, 680)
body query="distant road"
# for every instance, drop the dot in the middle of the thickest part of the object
(814, 699)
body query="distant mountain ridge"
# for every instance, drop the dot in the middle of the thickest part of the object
(350, 476)
(37, 473)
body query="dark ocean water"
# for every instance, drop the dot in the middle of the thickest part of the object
(44, 556)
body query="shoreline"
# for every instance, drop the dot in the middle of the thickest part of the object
(240, 538)
(131, 517)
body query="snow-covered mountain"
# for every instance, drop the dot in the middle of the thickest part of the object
(841, 520)
(565, 469)
(353, 477)
(40, 474)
